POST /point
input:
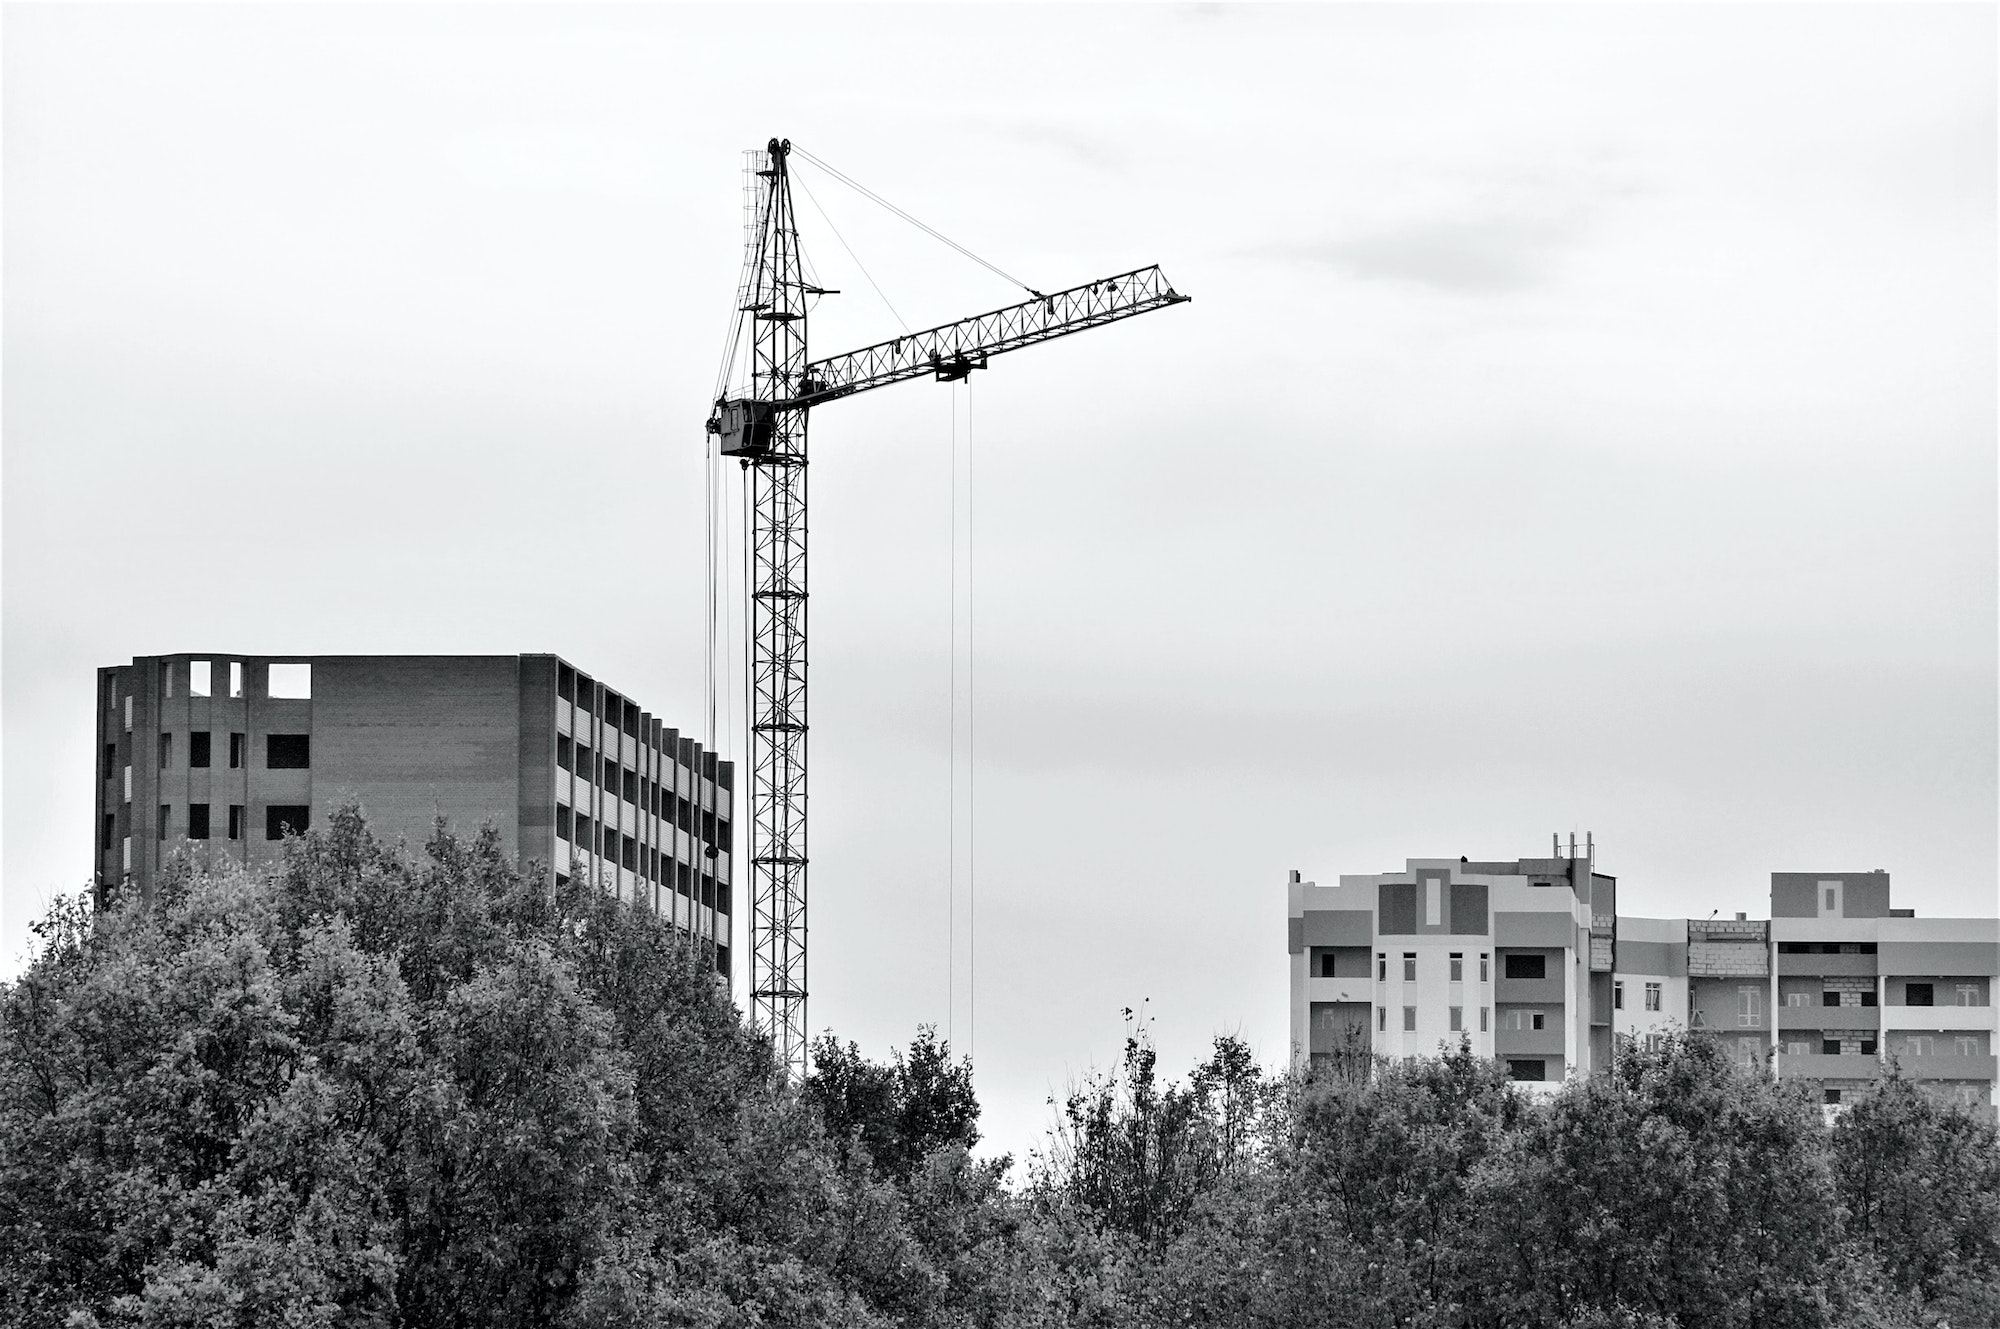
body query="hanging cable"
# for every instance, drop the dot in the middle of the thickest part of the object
(856, 257)
(931, 231)
(951, 757)
(971, 759)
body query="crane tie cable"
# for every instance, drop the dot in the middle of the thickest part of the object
(931, 231)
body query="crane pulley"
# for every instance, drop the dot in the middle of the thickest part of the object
(764, 427)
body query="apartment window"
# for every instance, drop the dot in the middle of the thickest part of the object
(1527, 966)
(1653, 991)
(1749, 1006)
(611, 839)
(1457, 968)
(1966, 1045)
(1617, 995)
(1532, 1070)
(562, 751)
(565, 682)
(1381, 968)
(166, 815)
(562, 822)
(280, 818)
(236, 752)
(110, 831)
(288, 752)
(1382, 1019)
(583, 831)
(236, 821)
(1536, 1019)
(168, 681)
(166, 751)
(198, 749)
(1917, 1045)
(1867, 999)
(293, 681)
(198, 677)
(1797, 1048)
(128, 715)
(1409, 967)
(1867, 1047)
(1832, 899)
(1482, 1019)
(110, 759)
(235, 678)
(1409, 1019)
(128, 784)
(1968, 995)
(1795, 999)
(127, 852)
(1916, 994)
(1748, 1050)
(1433, 915)
(631, 854)
(1829, 999)
(1654, 1042)
(197, 821)
(1482, 966)
(1326, 964)
(1829, 1047)
(1457, 1018)
(632, 787)
(1833, 1096)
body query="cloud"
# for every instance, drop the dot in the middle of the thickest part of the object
(1497, 256)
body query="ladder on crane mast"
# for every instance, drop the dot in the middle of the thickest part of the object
(763, 426)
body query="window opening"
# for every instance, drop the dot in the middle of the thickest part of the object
(236, 678)
(1527, 966)
(1409, 1018)
(198, 678)
(198, 749)
(288, 752)
(1457, 967)
(280, 818)
(290, 681)
(236, 752)
(197, 821)
(166, 814)
(1409, 967)
(236, 821)
(1617, 995)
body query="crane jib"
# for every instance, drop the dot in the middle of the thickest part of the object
(948, 353)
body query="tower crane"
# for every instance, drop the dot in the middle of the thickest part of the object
(764, 427)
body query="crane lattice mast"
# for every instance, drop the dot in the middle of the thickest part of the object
(765, 428)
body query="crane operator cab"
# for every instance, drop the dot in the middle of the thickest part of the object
(744, 425)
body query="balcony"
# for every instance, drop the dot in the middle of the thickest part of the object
(1825, 1066)
(1529, 1042)
(1829, 1017)
(1922, 1018)
(1827, 966)
(1948, 1066)
(1340, 989)
(1529, 991)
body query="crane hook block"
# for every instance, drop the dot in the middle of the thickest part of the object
(745, 426)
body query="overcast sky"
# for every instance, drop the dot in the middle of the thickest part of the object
(1585, 420)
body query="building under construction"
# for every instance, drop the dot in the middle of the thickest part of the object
(220, 756)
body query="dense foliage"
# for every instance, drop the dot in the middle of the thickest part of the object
(378, 1089)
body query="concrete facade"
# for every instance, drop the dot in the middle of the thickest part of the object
(1529, 962)
(217, 756)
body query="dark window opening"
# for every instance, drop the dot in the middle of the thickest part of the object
(1527, 966)
(562, 822)
(288, 752)
(1531, 1070)
(1829, 1047)
(609, 776)
(1867, 999)
(722, 897)
(611, 838)
(197, 821)
(1916, 994)
(110, 829)
(632, 787)
(721, 959)
(565, 682)
(1829, 999)
(166, 751)
(708, 891)
(110, 760)
(236, 752)
(1867, 1047)
(722, 831)
(283, 818)
(708, 826)
(583, 831)
(631, 719)
(630, 856)
(562, 752)
(1833, 1095)
(166, 814)
(236, 821)
(586, 760)
(683, 879)
(198, 749)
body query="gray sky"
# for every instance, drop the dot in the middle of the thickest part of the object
(1586, 420)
